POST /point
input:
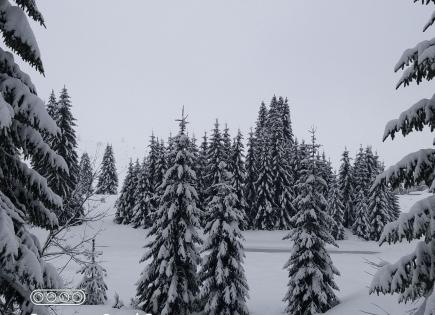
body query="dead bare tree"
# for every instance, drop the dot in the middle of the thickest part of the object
(64, 241)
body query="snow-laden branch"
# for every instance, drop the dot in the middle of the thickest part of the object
(411, 225)
(416, 117)
(413, 169)
(408, 276)
(18, 34)
(418, 62)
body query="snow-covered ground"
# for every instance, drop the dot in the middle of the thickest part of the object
(266, 253)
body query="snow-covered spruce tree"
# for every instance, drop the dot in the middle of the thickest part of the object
(361, 175)
(169, 149)
(38, 164)
(86, 176)
(93, 278)
(412, 276)
(393, 205)
(265, 216)
(345, 182)
(193, 147)
(379, 211)
(237, 167)
(163, 156)
(361, 180)
(372, 165)
(260, 124)
(301, 155)
(169, 283)
(260, 133)
(25, 197)
(52, 107)
(126, 201)
(215, 155)
(108, 179)
(152, 172)
(295, 162)
(142, 198)
(392, 199)
(326, 171)
(251, 178)
(152, 161)
(201, 173)
(289, 139)
(65, 144)
(224, 287)
(226, 145)
(287, 123)
(361, 227)
(311, 271)
(283, 195)
(336, 209)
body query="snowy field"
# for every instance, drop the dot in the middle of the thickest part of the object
(266, 253)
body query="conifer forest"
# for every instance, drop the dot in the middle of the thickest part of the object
(217, 158)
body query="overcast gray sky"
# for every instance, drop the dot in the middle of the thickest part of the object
(130, 65)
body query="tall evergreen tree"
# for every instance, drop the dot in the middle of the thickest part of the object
(336, 210)
(345, 182)
(108, 179)
(224, 287)
(372, 166)
(195, 152)
(152, 161)
(260, 133)
(226, 146)
(126, 201)
(238, 178)
(282, 193)
(169, 283)
(393, 205)
(93, 279)
(169, 149)
(287, 123)
(65, 144)
(361, 175)
(251, 178)
(161, 166)
(86, 176)
(378, 211)
(295, 162)
(265, 216)
(52, 106)
(202, 173)
(326, 171)
(142, 199)
(215, 155)
(311, 271)
(361, 223)
(25, 197)
(260, 124)
(302, 156)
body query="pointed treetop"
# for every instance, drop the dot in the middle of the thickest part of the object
(314, 145)
(183, 121)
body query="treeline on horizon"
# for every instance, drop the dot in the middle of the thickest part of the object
(264, 175)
